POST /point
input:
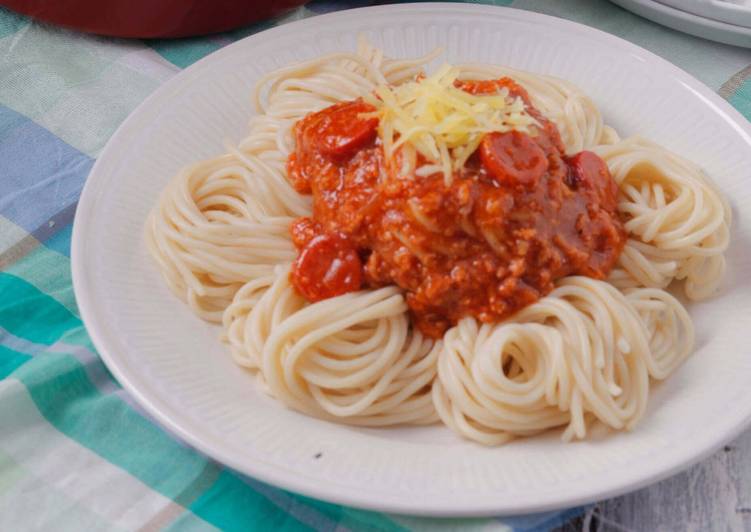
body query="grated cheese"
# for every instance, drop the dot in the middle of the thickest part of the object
(442, 123)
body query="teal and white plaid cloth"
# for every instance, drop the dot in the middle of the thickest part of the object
(75, 452)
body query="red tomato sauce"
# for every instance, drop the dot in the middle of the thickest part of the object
(516, 218)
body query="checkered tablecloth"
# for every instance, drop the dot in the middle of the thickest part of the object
(75, 452)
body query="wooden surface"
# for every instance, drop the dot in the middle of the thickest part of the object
(712, 495)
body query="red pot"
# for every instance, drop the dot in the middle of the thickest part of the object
(151, 18)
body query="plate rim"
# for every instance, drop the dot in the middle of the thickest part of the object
(275, 475)
(678, 20)
(724, 8)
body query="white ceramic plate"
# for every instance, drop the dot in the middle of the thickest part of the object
(737, 13)
(174, 365)
(689, 22)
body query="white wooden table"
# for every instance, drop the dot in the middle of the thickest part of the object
(712, 495)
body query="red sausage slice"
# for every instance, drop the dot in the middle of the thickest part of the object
(513, 158)
(339, 130)
(327, 266)
(588, 171)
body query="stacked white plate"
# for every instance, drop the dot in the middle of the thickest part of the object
(726, 21)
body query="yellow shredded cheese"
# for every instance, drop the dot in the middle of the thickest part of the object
(442, 123)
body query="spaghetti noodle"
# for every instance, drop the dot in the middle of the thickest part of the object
(583, 353)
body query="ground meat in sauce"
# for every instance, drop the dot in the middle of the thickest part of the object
(519, 216)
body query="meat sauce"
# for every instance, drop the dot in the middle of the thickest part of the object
(517, 217)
